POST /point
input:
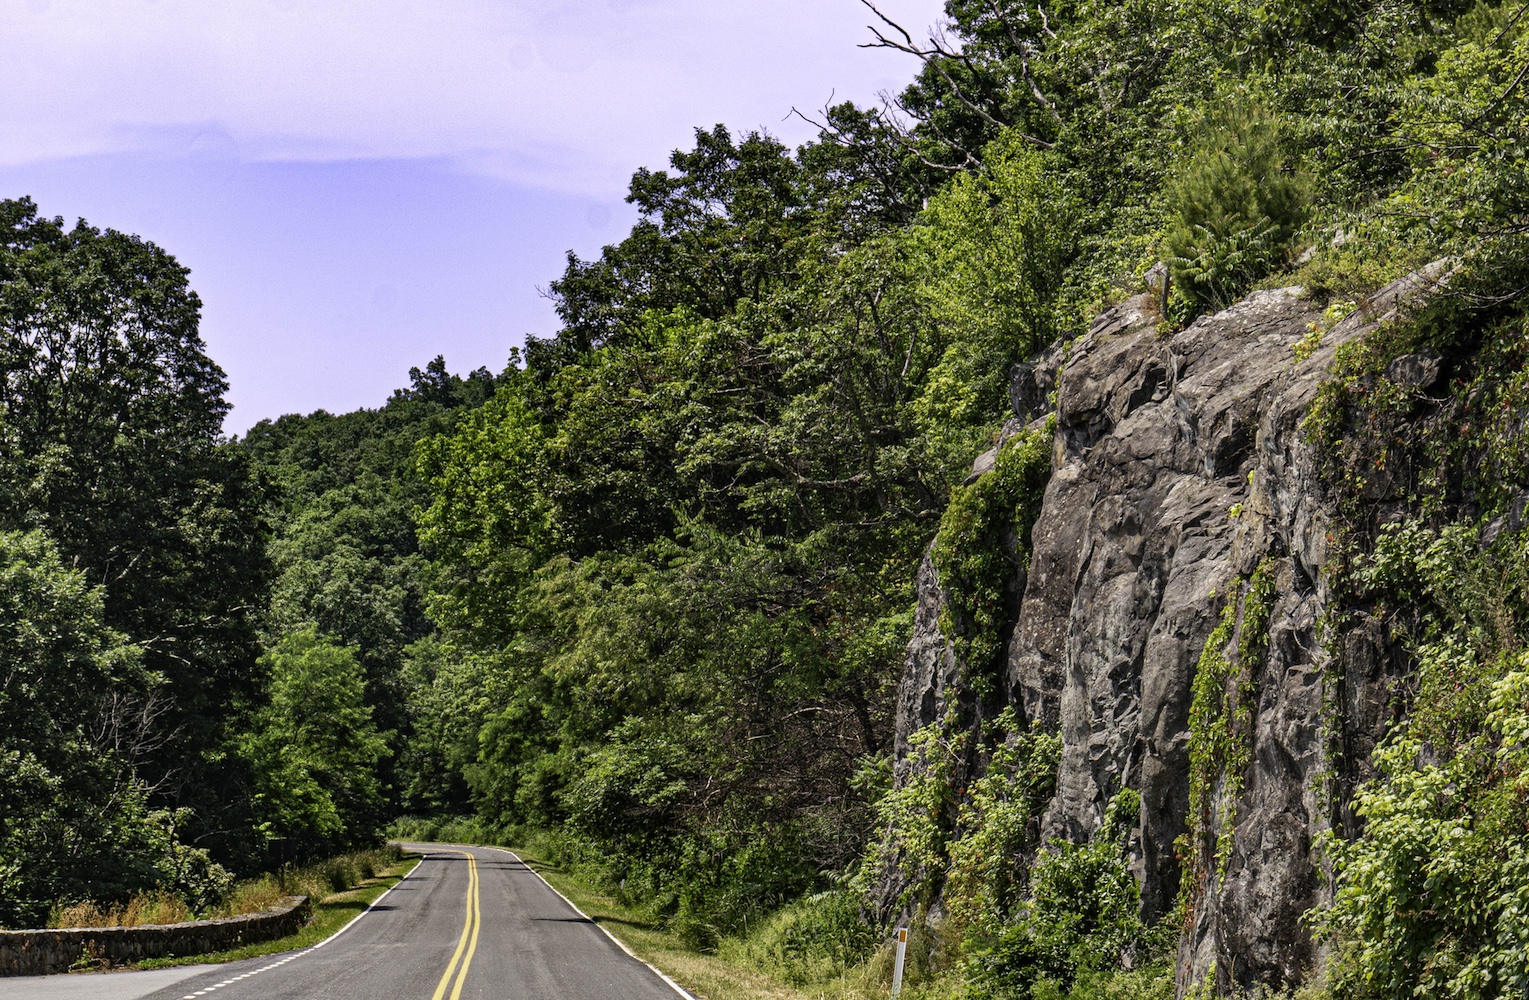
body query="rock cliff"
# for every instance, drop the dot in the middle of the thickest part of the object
(1181, 479)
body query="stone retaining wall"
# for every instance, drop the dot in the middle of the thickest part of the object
(44, 952)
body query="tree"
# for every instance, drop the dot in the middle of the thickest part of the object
(315, 751)
(76, 707)
(1234, 208)
(112, 418)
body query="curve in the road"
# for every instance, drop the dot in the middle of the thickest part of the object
(468, 923)
(296, 954)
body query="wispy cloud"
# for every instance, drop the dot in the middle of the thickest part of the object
(567, 95)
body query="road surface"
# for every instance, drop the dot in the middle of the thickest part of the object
(469, 923)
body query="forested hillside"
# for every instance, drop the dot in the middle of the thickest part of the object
(704, 592)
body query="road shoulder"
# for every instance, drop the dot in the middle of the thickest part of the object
(329, 918)
(96, 985)
(704, 976)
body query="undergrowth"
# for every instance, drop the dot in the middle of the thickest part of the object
(317, 881)
(983, 541)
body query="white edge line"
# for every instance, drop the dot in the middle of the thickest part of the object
(315, 947)
(618, 942)
(370, 907)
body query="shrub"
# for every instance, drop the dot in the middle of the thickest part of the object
(146, 908)
(816, 939)
(251, 896)
(987, 864)
(1434, 898)
(1081, 918)
(1233, 207)
(913, 820)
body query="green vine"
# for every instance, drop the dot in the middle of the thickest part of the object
(972, 551)
(1221, 720)
(987, 871)
(966, 844)
(914, 819)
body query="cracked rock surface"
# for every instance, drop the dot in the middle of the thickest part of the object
(1179, 466)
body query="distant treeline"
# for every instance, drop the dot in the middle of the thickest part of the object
(650, 586)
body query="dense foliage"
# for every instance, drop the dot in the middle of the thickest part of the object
(650, 588)
(203, 659)
(1429, 899)
(75, 817)
(136, 555)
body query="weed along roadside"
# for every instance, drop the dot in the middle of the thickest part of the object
(285, 911)
(763, 964)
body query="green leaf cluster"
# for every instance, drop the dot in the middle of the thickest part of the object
(1078, 927)
(1430, 900)
(315, 751)
(75, 696)
(1221, 726)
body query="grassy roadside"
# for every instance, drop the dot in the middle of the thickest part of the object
(329, 916)
(709, 977)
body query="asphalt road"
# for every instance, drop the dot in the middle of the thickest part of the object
(467, 924)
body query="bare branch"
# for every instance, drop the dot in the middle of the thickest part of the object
(934, 57)
(901, 135)
(888, 21)
(1045, 23)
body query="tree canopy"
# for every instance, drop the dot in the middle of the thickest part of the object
(649, 589)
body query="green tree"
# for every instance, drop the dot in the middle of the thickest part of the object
(995, 249)
(1465, 128)
(75, 701)
(717, 230)
(112, 419)
(1234, 209)
(314, 750)
(346, 555)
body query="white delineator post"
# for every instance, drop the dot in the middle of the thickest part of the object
(897, 967)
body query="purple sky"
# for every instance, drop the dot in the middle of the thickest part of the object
(360, 185)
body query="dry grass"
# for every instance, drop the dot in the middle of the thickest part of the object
(318, 881)
(254, 896)
(144, 909)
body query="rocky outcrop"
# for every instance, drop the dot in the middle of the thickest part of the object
(1179, 468)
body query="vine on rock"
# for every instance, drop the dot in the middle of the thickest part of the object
(983, 539)
(1221, 724)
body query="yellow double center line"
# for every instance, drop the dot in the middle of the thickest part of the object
(469, 941)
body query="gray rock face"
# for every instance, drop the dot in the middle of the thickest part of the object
(1180, 467)
(931, 676)
(1415, 371)
(1031, 383)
